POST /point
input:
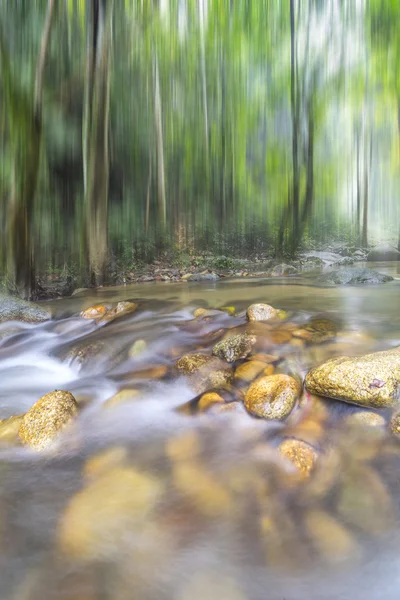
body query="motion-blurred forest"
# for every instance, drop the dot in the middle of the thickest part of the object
(132, 127)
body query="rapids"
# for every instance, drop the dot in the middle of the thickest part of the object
(231, 521)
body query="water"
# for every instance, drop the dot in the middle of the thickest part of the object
(203, 505)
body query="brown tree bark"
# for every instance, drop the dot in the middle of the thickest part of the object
(96, 150)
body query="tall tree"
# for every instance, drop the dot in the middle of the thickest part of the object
(95, 135)
(25, 114)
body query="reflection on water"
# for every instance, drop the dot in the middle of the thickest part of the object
(143, 501)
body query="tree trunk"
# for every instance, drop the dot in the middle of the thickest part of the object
(162, 205)
(96, 161)
(204, 76)
(367, 163)
(295, 127)
(358, 209)
(25, 115)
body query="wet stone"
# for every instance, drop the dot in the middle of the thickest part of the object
(302, 455)
(9, 430)
(372, 380)
(44, 421)
(261, 312)
(190, 363)
(235, 347)
(272, 397)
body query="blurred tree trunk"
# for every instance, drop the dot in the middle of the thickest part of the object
(95, 136)
(162, 205)
(25, 123)
(358, 208)
(294, 101)
(367, 167)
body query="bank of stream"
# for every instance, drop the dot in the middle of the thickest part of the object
(152, 493)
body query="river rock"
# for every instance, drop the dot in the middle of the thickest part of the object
(272, 397)
(364, 501)
(202, 277)
(331, 540)
(98, 517)
(372, 380)
(354, 276)
(9, 430)
(283, 270)
(16, 309)
(235, 347)
(261, 312)
(214, 374)
(190, 363)
(383, 252)
(47, 417)
(302, 455)
(249, 370)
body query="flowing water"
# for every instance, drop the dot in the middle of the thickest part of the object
(142, 501)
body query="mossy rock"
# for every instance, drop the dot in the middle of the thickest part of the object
(372, 380)
(16, 309)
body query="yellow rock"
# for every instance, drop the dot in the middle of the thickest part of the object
(249, 370)
(95, 312)
(230, 310)
(365, 418)
(395, 423)
(272, 397)
(201, 488)
(364, 501)
(371, 380)
(9, 430)
(266, 358)
(104, 461)
(96, 520)
(42, 423)
(331, 540)
(208, 400)
(137, 348)
(262, 312)
(185, 446)
(200, 312)
(121, 397)
(190, 363)
(301, 454)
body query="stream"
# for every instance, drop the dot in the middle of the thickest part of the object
(144, 499)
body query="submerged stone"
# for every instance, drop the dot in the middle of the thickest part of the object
(235, 347)
(354, 276)
(272, 397)
(16, 309)
(383, 252)
(98, 517)
(47, 418)
(372, 380)
(9, 430)
(302, 455)
(283, 270)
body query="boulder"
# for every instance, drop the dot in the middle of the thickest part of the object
(353, 276)
(16, 309)
(47, 418)
(202, 277)
(383, 252)
(272, 397)
(235, 347)
(372, 380)
(262, 312)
